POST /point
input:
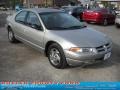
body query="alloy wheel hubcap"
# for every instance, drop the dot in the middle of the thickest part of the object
(55, 56)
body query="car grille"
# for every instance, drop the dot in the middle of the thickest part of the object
(103, 48)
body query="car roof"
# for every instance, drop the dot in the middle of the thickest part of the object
(43, 10)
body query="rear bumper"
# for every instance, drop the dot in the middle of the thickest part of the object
(101, 20)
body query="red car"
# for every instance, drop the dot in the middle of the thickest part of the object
(99, 15)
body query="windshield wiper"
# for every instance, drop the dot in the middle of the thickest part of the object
(77, 27)
(58, 28)
(72, 27)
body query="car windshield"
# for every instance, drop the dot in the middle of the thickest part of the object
(60, 21)
(104, 10)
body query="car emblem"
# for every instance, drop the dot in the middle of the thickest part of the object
(105, 47)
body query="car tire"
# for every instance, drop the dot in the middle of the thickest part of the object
(56, 56)
(117, 25)
(11, 36)
(105, 22)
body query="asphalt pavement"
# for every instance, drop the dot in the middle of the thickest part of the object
(19, 62)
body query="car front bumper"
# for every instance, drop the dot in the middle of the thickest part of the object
(74, 59)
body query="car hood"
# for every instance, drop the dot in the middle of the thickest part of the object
(85, 37)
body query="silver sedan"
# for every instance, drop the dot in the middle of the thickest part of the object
(60, 36)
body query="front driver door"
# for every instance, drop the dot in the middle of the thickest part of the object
(33, 32)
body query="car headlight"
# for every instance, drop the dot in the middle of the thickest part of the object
(82, 50)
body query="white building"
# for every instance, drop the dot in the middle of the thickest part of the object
(116, 3)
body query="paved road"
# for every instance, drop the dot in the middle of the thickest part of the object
(19, 62)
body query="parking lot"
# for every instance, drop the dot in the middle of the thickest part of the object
(19, 62)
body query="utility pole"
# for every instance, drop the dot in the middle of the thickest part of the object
(28, 3)
(13, 4)
(21, 2)
(53, 3)
(46, 3)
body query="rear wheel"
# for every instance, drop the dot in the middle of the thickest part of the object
(11, 36)
(56, 56)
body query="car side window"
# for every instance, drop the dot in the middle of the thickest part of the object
(78, 10)
(33, 21)
(21, 17)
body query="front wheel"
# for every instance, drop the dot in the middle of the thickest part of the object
(56, 56)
